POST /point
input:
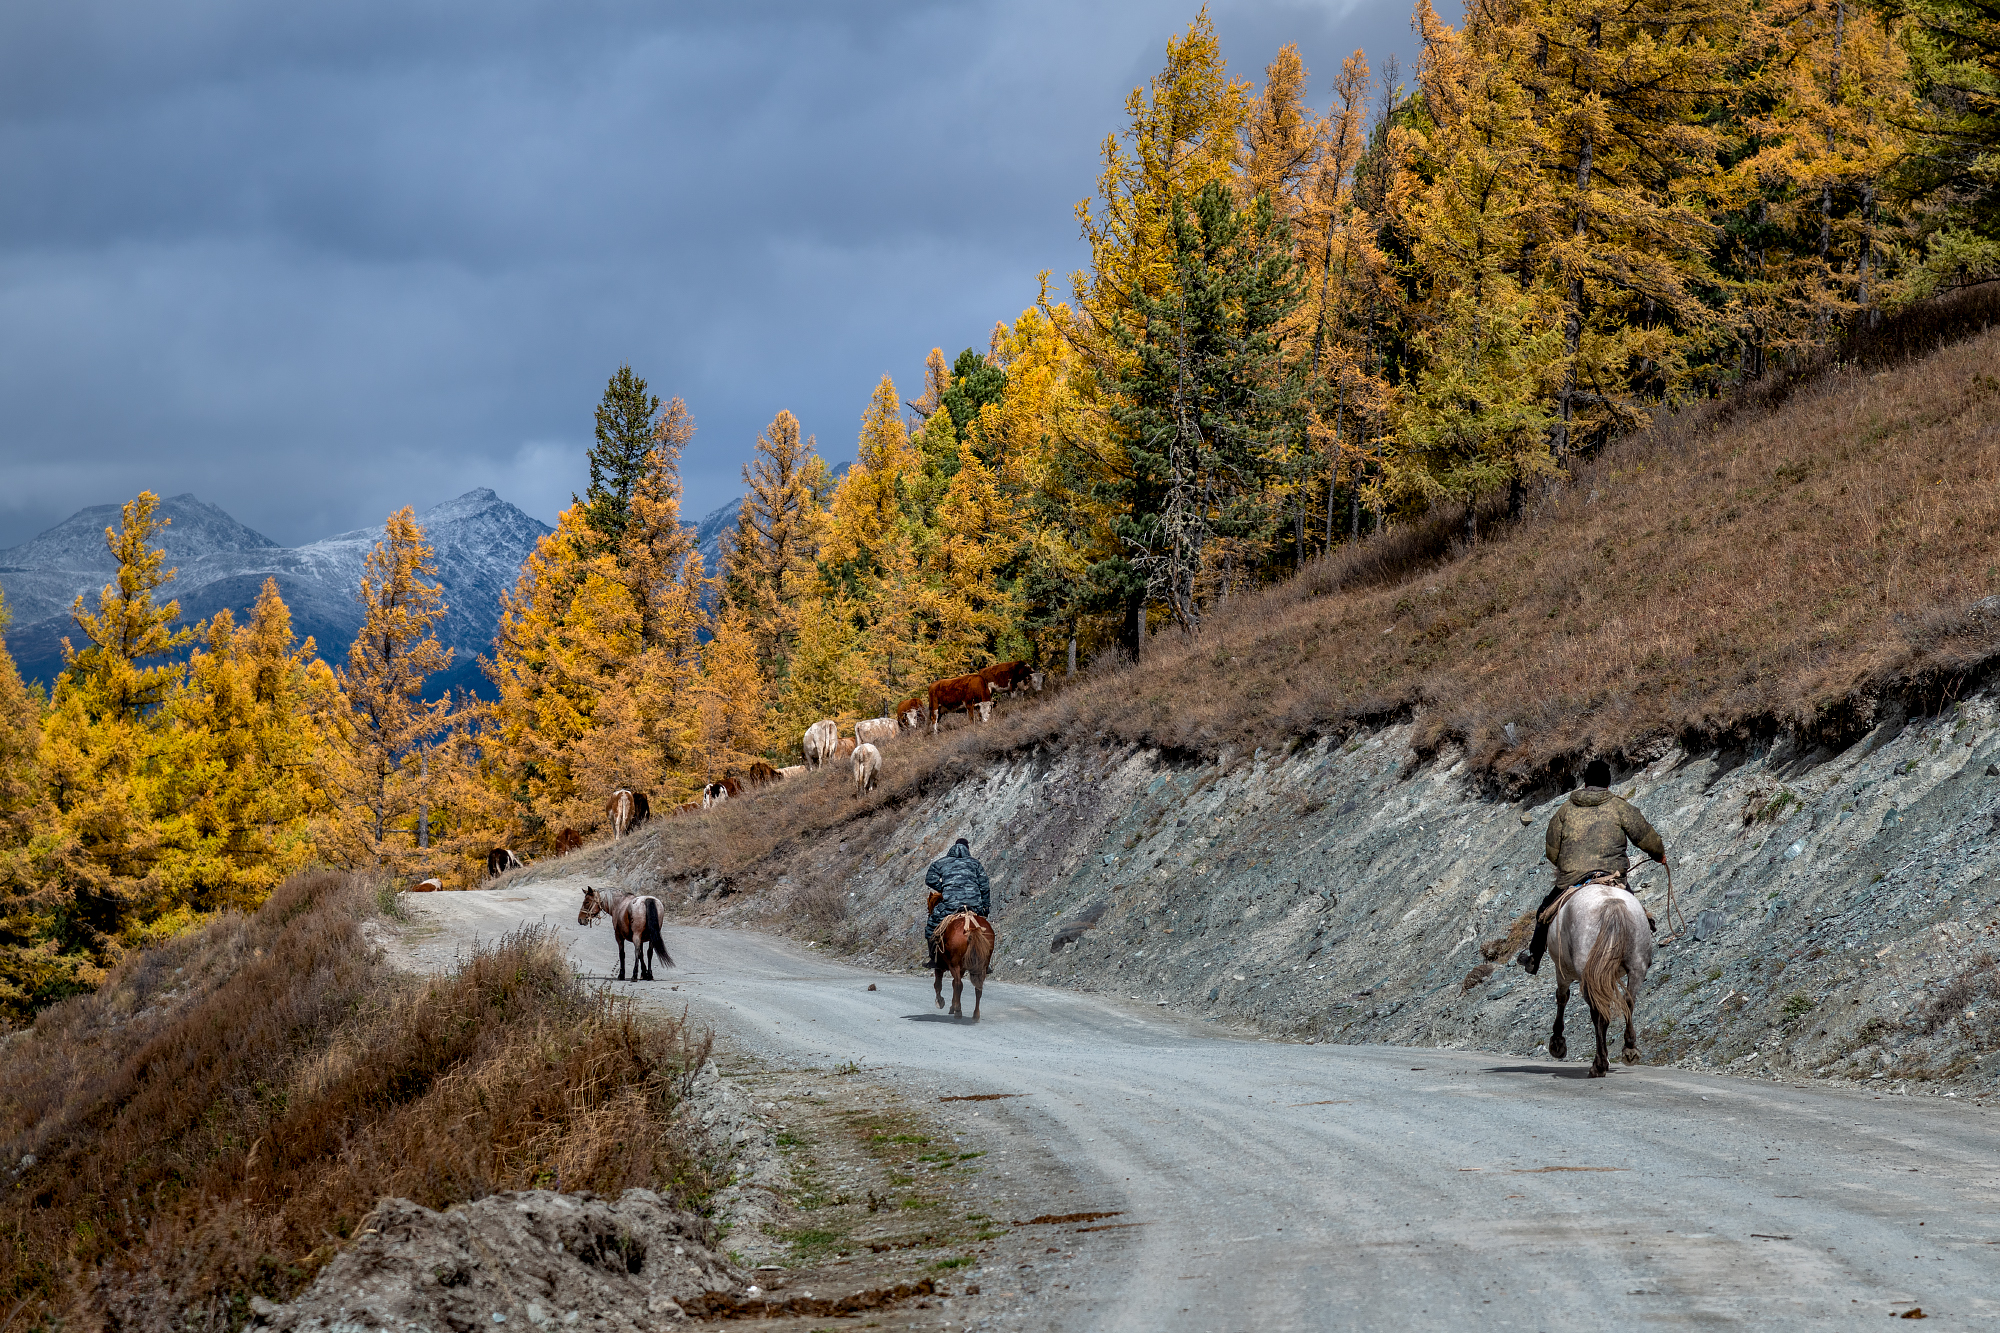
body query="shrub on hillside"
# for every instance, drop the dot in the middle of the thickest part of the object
(216, 1120)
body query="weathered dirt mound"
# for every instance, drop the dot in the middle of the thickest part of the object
(532, 1258)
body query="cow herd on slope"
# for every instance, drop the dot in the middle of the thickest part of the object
(823, 746)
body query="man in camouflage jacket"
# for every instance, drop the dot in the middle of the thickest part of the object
(962, 881)
(1586, 840)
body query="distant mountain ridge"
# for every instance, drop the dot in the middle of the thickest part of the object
(480, 541)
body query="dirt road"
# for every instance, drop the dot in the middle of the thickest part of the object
(1271, 1186)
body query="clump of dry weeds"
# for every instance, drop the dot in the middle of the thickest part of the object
(218, 1118)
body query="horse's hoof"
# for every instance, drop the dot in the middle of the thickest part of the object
(1631, 1055)
(1595, 1072)
(1559, 1049)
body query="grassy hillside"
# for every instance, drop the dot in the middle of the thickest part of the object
(1784, 558)
(213, 1122)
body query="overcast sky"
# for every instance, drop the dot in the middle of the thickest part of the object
(314, 261)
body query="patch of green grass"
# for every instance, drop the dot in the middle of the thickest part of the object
(959, 1262)
(1715, 974)
(814, 1243)
(787, 1139)
(1797, 1007)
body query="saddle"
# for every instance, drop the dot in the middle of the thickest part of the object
(1601, 879)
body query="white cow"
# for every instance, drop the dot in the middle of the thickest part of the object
(820, 739)
(867, 766)
(792, 771)
(985, 711)
(875, 729)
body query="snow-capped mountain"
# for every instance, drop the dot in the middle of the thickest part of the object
(480, 541)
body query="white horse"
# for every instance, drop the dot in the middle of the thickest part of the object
(1600, 937)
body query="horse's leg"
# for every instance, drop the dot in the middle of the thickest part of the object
(1558, 1045)
(621, 956)
(1631, 1052)
(1600, 1024)
(957, 988)
(978, 989)
(937, 980)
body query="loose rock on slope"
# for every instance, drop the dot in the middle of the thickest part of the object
(533, 1257)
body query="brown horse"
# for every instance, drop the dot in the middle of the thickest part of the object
(965, 943)
(1599, 937)
(633, 917)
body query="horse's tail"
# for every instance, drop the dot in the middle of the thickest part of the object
(1605, 968)
(652, 935)
(978, 949)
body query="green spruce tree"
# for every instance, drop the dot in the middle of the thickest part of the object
(618, 459)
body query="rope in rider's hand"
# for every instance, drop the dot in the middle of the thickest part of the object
(1672, 908)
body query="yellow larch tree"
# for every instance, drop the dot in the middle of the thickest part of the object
(777, 537)
(1830, 91)
(1485, 339)
(376, 752)
(868, 559)
(1181, 134)
(1627, 176)
(831, 675)
(100, 756)
(32, 970)
(239, 787)
(733, 725)
(544, 704)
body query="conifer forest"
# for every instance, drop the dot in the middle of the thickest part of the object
(1318, 303)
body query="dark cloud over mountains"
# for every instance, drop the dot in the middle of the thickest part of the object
(312, 262)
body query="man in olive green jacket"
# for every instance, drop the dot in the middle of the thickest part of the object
(1586, 840)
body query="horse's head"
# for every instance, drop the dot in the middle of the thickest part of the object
(592, 905)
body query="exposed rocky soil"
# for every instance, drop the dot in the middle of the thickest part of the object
(532, 1258)
(1839, 906)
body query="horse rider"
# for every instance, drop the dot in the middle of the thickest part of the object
(961, 882)
(1586, 840)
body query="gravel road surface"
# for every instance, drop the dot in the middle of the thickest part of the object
(1276, 1186)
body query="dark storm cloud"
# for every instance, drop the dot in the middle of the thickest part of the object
(316, 261)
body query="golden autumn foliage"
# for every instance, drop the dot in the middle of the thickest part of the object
(1316, 306)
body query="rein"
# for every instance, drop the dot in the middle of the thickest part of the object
(1673, 909)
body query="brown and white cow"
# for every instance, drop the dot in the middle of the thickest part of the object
(1006, 677)
(958, 692)
(875, 730)
(432, 885)
(910, 712)
(843, 748)
(720, 790)
(819, 741)
(867, 766)
(759, 773)
(567, 841)
(499, 861)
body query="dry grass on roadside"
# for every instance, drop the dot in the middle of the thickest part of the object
(218, 1118)
(1782, 558)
